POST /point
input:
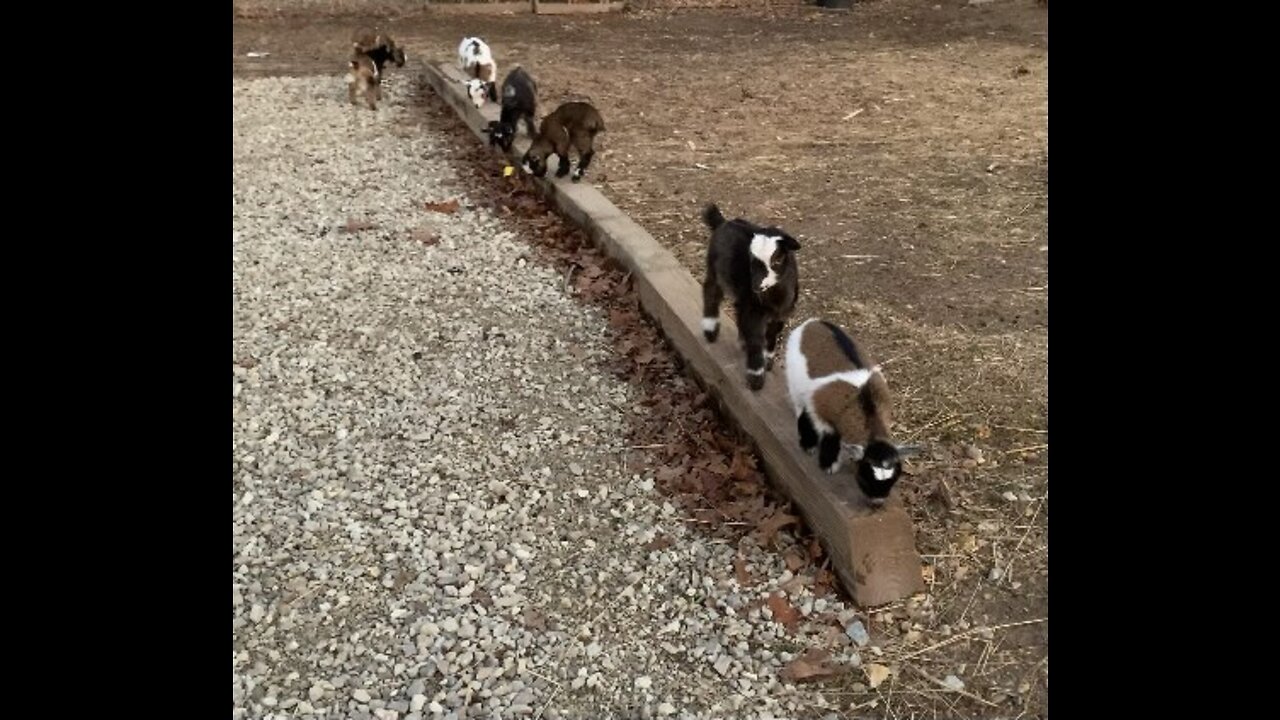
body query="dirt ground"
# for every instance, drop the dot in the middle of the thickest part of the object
(906, 144)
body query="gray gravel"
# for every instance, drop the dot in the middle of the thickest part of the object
(430, 513)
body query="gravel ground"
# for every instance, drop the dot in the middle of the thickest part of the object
(430, 512)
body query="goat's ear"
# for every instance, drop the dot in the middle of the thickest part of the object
(789, 243)
(907, 451)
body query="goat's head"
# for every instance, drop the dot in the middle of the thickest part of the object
(501, 134)
(477, 92)
(879, 467)
(534, 161)
(772, 259)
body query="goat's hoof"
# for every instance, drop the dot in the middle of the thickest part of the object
(755, 382)
(711, 335)
(832, 469)
(768, 364)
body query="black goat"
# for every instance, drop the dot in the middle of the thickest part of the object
(757, 267)
(519, 101)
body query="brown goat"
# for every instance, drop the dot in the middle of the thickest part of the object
(364, 78)
(573, 125)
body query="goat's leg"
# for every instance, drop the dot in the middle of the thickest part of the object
(351, 92)
(808, 434)
(712, 296)
(562, 158)
(829, 453)
(584, 160)
(771, 341)
(751, 326)
(583, 143)
(528, 125)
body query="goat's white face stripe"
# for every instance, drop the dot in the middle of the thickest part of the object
(882, 473)
(763, 247)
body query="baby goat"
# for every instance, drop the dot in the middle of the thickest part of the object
(519, 100)
(475, 59)
(572, 125)
(380, 48)
(757, 267)
(842, 402)
(364, 77)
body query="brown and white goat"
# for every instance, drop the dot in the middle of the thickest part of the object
(843, 406)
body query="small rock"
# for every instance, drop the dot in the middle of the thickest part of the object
(575, 468)
(953, 683)
(858, 633)
(644, 682)
(665, 709)
(361, 696)
(419, 700)
(722, 665)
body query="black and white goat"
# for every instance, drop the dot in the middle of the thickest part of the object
(379, 47)
(843, 407)
(519, 101)
(757, 267)
(475, 59)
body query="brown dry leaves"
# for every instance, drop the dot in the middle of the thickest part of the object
(783, 612)
(813, 665)
(354, 226)
(447, 206)
(694, 454)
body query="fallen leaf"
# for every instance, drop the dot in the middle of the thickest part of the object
(426, 237)
(769, 527)
(448, 206)
(793, 585)
(793, 560)
(661, 542)
(783, 612)
(354, 225)
(533, 618)
(740, 571)
(815, 549)
(876, 674)
(813, 665)
(743, 466)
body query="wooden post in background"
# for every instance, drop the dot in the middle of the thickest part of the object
(535, 6)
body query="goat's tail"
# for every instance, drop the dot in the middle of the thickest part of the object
(712, 216)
